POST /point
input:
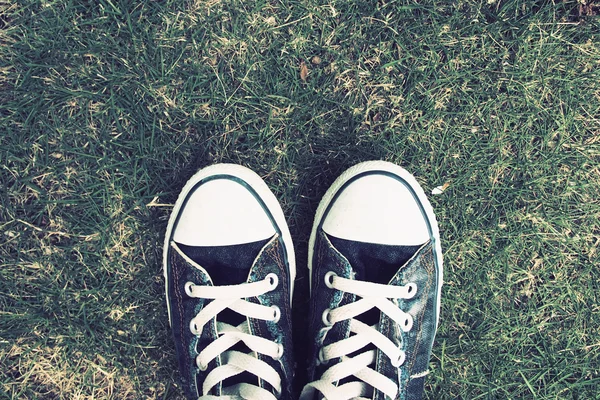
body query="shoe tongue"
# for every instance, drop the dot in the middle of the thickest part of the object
(373, 262)
(226, 265)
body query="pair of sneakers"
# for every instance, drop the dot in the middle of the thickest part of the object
(375, 268)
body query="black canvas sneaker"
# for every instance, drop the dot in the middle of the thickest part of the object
(229, 268)
(376, 275)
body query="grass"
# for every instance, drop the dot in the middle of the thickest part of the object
(108, 107)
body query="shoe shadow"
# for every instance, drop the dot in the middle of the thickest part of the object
(318, 163)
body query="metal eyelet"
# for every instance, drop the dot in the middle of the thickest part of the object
(276, 314)
(325, 317)
(400, 360)
(411, 290)
(273, 280)
(323, 334)
(280, 350)
(194, 328)
(407, 324)
(329, 279)
(199, 364)
(321, 356)
(189, 286)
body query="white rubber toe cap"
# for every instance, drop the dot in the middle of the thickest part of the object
(377, 208)
(222, 212)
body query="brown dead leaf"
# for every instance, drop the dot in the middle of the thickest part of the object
(303, 71)
(440, 189)
(316, 60)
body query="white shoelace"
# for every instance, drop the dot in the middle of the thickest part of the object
(372, 295)
(235, 362)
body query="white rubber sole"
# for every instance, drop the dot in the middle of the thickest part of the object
(384, 166)
(253, 180)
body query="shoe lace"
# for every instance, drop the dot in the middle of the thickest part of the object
(234, 362)
(373, 295)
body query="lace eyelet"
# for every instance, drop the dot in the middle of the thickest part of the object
(188, 288)
(200, 366)
(323, 334)
(280, 351)
(273, 280)
(321, 356)
(194, 328)
(325, 317)
(400, 360)
(411, 290)
(276, 314)
(407, 324)
(329, 279)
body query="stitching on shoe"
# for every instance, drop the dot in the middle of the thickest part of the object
(425, 262)
(257, 331)
(382, 362)
(275, 254)
(316, 281)
(177, 274)
(420, 374)
(261, 268)
(257, 270)
(276, 250)
(313, 303)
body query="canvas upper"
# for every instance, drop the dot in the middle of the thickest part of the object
(229, 283)
(375, 287)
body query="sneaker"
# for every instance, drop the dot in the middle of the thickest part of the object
(229, 268)
(375, 264)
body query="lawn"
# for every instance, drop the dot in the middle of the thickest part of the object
(107, 107)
